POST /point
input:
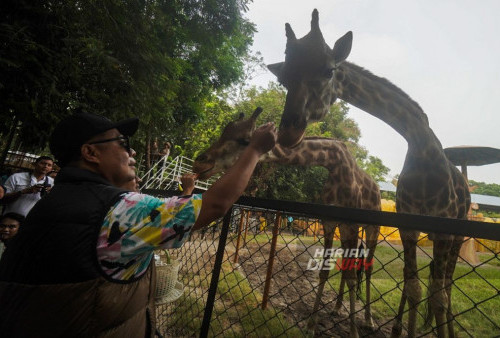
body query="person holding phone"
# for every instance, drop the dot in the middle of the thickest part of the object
(23, 190)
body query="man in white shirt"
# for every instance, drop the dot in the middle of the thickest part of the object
(23, 190)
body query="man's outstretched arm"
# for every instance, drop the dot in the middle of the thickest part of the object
(225, 191)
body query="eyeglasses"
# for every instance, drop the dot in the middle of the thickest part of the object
(9, 226)
(125, 143)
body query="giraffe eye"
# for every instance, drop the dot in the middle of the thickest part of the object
(243, 142)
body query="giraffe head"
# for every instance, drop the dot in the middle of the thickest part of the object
(222, 154)
(308, 74)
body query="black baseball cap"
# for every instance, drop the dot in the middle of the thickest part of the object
(71, 133)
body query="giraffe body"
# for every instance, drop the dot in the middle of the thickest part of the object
(347, 185)
(428, 185)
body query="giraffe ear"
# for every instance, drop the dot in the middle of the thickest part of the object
(256, 113)
(276, 68)
(342, 48)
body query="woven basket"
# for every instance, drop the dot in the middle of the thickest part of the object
(168, 288)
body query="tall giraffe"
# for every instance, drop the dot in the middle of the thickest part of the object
(429, 184)
(347, 185)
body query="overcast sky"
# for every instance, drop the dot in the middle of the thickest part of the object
(445, 54)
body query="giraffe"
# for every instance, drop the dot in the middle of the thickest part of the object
(429, 184)
(347, 185)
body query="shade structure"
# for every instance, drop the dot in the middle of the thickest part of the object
(472, 155)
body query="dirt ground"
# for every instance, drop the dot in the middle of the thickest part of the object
(293, 290)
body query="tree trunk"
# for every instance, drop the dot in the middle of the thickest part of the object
(148, 151)
(12, 131)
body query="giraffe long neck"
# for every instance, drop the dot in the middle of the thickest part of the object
(380, 98)
(312, 151)
(428, 184)
(346, 185)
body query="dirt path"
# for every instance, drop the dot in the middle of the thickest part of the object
(293, 290)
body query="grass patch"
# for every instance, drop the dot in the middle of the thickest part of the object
(489, 258)
(472, 286)
(240, 308)
(237, 311)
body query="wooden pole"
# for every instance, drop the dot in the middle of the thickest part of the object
(272, 253)
(8, 144)
(246, 228)
(468, 249)
(464, 172)
(239, 236)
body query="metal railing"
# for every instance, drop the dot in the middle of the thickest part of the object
(164, 175)
(251, 275)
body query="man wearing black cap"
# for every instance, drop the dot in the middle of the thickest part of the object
(81, 266)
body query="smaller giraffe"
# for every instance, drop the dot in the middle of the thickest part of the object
(347, 185)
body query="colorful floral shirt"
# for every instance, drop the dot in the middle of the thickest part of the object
(138, 224)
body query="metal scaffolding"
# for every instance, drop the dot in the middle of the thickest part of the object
(166, 175)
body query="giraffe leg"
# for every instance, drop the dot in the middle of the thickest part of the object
(372, 233)
(329, 230)
(349, 239)
(438, 296)
(340, 296)
(450, 269)
(398, 320)
(412, 292)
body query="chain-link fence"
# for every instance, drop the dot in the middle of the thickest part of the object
(257, 274)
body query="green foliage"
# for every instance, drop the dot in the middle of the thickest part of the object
(375, 168)
(485, 188)
(160, 60)
(271, 100)
(291, 183)
(197, 137)
(388, 195)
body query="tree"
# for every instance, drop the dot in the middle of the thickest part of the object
(160, 60)
(485, 188)
(199, 136)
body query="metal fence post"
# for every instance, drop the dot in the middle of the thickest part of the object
(215, 275)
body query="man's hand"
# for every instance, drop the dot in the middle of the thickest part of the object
(187, 181)
(32, 190)
(225, 191)
(264, 138)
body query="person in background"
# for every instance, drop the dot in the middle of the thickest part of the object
(133, 184)
(24, 189)
(86, 249)
(53, 174)
(5, 175)
(9, 226)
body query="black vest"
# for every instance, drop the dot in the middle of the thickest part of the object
(57, 243)
(51, 284)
